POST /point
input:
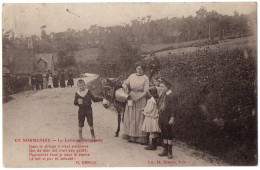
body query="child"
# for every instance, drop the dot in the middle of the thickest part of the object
(167, 111)
(50, 82)
(150, 123)
(83, 98)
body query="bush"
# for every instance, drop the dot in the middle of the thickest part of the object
(216, 87)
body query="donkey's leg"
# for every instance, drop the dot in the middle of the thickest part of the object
(123, 115)
(118, 124)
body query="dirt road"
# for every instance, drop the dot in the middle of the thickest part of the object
(50, 114)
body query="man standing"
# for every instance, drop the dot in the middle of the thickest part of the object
(39, 78)
(33, 81)
(55, 79)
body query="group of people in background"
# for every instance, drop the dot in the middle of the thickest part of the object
(43, 80)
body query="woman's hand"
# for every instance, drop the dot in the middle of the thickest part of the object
(171, 122)
(125, 87)
(135, 100)
(140, 97)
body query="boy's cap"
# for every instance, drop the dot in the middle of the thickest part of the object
(166, 82)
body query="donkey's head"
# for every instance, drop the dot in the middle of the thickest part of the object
(108, 88)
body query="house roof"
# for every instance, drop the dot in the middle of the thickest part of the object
(46, 57)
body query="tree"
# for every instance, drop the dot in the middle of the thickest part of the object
(65, 59)
(119, 52)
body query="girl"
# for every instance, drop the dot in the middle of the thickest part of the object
(150, 123)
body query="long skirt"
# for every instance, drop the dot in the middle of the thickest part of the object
(70, 82)
(55, 82)
(133, 121)
(45, 83)
(62, 83)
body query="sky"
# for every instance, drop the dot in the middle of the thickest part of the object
(26, 19)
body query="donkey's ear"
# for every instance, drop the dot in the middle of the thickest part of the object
(103, 81)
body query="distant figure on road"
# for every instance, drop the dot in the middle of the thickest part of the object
(70, 81)
(55, 79)
(50, 81)
(83, 98)
(48, 73)
(62, 79)
(39, 79)
(45, 80)
(34, 81)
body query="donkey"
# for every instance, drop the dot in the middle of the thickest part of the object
(105, 88)
(108, 89)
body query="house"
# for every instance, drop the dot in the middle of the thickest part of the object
(44, 62)
(19, 58)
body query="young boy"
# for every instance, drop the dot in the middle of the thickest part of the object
(83, 98)
(168, 108)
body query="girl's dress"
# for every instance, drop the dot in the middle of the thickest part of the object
(151, 117)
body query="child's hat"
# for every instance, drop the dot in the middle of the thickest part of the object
(166, 81)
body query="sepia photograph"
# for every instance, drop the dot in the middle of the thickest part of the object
(132, 84)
